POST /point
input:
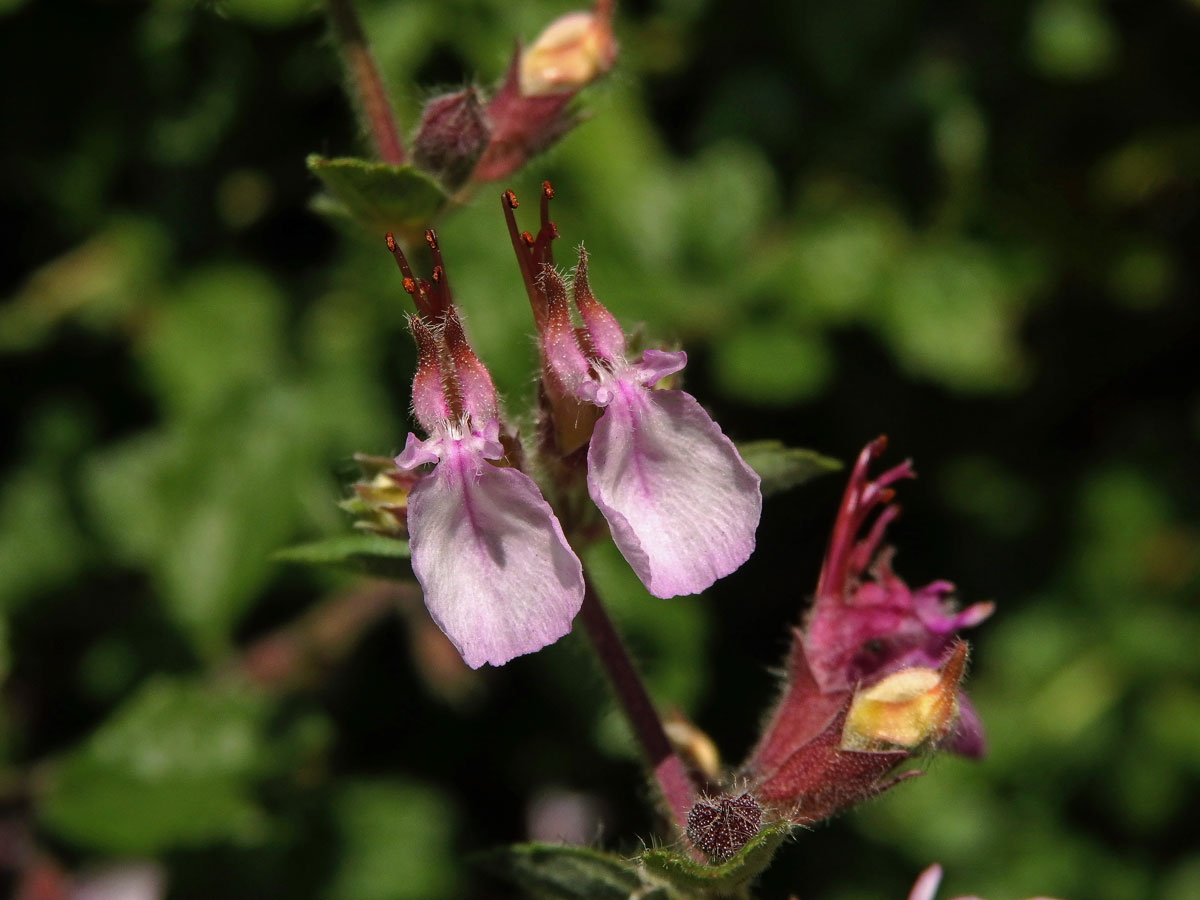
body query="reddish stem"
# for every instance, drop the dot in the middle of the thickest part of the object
(668, 768)
(367, 86)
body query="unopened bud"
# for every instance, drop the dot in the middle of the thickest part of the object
(380, 500)
(572, 51)
(906, 709)
(453, 133)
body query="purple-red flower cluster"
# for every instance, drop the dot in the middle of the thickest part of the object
(873, 676)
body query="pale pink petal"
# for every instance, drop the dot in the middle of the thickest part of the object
(417, 452)
(927, 884)
(499, 577)
(658, 364)
(681, 504)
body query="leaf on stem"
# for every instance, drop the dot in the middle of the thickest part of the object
(372, 554)
(683, 874)
(560, 872)
(782, 468)
(380, 196)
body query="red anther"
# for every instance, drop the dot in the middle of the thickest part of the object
(887, 495)
(401, 261)
(527, 238)
(410, 286)
(510, 199)
(438, 274)
(547, 190)
(431, 239)
(878, 445)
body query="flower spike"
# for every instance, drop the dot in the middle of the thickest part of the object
(498, 574)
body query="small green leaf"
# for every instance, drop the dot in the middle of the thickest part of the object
(721, 880)
(378, 195)
(173, 767)
(560, 872)
(370, 553)
(782, 468)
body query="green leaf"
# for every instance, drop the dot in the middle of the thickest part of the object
(370, 553)
(378, 195)
(560, 872)
(721, 880)
(782, 468)
(173, 767)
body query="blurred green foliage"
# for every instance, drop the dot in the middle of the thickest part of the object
(971, 226)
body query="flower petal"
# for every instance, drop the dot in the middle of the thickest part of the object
(499, 577)
(417, 452)
(658, 364)
(927, 884)
(681, 504)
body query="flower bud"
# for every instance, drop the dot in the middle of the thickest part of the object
(380, 501)
(571, 52)
(529, 111)
(453, 133)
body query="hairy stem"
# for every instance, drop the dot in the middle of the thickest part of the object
(631, 694)
(366, 85)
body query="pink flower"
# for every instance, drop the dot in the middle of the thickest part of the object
(498, 575)
(866, 622)
(680, 502)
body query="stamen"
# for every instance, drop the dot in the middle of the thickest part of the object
(426, 304)
(542, 254)
(401, 261)
(440, 290)
(537, 300)
(414, 287)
